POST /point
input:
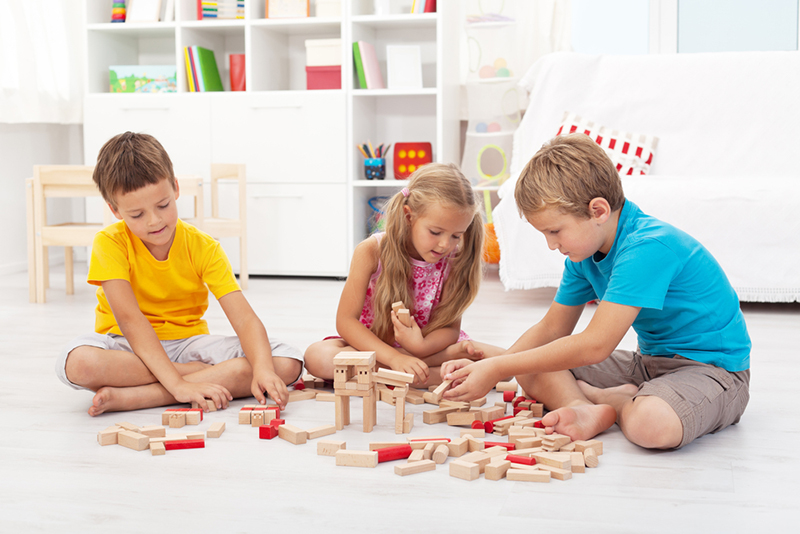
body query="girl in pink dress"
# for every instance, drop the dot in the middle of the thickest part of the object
(430, 259)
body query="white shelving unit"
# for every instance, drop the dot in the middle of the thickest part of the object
(307, 199)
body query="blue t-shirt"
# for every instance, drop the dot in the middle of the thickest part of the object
(688, 305)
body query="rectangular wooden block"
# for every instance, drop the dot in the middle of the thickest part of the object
(458, 447)
(244, 417)
(406, 378)
(474, 432)
(440, 389)
(561, 460)
(258, 419)
(193, 417)
(414, 467)
(185, 444)
(177, 420)
(216, 429)
(527, 442)
(404, 316)
(477, 403)
(490, 413)
(556, 472)
(417, 455)
(578, 464)
(328, 447)
(128, 426)
(356, 458)
(528, 475)
(497, 470)
(303, 394)
(109, 435)
(324, 430)
(324, 396)
(414, 396)
(474, 444)
(464, 470)
(158, 449)
(461, 418)
(154, 431)
(133, 440)
(408, 423)
(595, 444)
(292, 434)
(478, 458)
(354, 358)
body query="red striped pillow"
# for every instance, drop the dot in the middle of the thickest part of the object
(632, 153)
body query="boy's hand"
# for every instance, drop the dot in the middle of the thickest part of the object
(273, 385)
(410, 364)
(202, 392)
(471, 380)
(408, 337)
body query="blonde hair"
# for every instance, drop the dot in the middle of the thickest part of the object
(130, 161)
(567, 173)
(445, 185)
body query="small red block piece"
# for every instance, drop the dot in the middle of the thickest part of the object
(267, 431)
(507, 446)
(300, 385)
(508, 396)
(538, 424)
(477, 425)
(185, 444)
(518, 409)
(514, 459)
(388, 454)
(277, 422)
(518, 400)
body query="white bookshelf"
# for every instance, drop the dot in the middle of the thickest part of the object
(307, 196)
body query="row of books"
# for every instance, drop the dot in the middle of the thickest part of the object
(367, 68)
(423, 6)
(201, 70)
(220, 9)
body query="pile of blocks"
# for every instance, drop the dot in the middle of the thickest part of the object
(155, 437)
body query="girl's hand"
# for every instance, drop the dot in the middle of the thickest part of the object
(410, 364)
(471, 380)
(408, 337)
(273, 385)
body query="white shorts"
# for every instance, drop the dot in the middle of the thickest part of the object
(204, 348)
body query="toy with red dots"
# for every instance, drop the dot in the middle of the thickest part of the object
(408, 157)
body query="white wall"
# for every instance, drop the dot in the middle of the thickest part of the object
(21, 147)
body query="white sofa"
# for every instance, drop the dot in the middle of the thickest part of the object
(725, 169)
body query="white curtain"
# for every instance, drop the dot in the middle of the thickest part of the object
(41, 61)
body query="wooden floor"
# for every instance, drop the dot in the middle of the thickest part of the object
(54, 477)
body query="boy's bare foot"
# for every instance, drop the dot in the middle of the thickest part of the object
(103, 401)
(580, 422)
(615, 396)
(111, 399)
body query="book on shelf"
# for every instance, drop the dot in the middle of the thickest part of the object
(142, 78)
(362, 81)
(423, 6)
(220, 9)
(201, 70)
(369, 61)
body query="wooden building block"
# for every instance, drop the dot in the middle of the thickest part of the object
(158, 449)
(597, 445)
(185, 444)
(356, 458)
(506, 386)
(245, 416)
(109, 435)
(195, 435)
(474, 432)
(561, 460)
(528, 452)
(461, 406)
(578, 463)
(528, 475)
(342, 411)
(153, 431)
(458, 447)
(304, 394)
(408, 423)
(324, 430)
(556, 472)
(536, 409)
(267, 432)
(386, 396)
(441, 453)
(527, 442)
(211, 406)
(427, 452)
(439, 415)
(216, 429)
(461, 418)
(177, 420)
(464, 470)
(258, 419)
(525, 460)
(328, 447)
(477, 403)
(399, 415)
(414, 396)
(569, 447)
(194, 417)
(405, 317)
(398, 452)
(324, 396)
(417, 455)
(292, 434)
(440, 389)
(430, 398)
(133, 440)
(406, 378)
(414, 467)
(555, 441)
(481, 459)
(397, 306)
(419, 443)
(474, 444)
(497, 470)
(128, 426)
(590, 457)
(501, 405)
(378, 445)
(354, 358)
(168, 437)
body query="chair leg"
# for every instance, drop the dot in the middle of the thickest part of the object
(31, 238)
(69, 270)
(46, 264)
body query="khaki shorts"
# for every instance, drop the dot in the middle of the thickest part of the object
(204, 348)
(705, 397)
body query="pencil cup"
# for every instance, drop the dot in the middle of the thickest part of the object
(375, 168)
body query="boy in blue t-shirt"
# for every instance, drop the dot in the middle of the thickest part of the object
(690, 374)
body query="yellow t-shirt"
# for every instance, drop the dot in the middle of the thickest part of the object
(172, 294)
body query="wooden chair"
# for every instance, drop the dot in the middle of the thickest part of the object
(52, 181)
(218, 227)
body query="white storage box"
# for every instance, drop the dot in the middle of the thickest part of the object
(329, 8)
(323, 52)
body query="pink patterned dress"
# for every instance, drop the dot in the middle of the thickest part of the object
(428, 281)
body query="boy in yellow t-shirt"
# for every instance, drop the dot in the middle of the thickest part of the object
(152, 346)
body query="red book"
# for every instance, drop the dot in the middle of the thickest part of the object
(430, 6)
(239, 83)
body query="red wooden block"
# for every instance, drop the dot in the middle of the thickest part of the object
(508, 396)
(518, 400)
(277, 422)
(514, 459)
(185, 444)
(518, 409)
(477, 425)
(300, 385)
(489, 425)
(267, 431)
(200, 410)
(394, 453)
(538, 424)
(507, 446)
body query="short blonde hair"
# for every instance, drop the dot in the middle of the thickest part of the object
(567, 173)
(130, 161)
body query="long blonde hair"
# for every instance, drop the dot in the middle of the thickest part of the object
(445, 185)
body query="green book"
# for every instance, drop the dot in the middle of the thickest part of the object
(208, 69)
(362, 81)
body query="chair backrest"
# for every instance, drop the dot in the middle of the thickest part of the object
(63, 181)
(228, 171)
